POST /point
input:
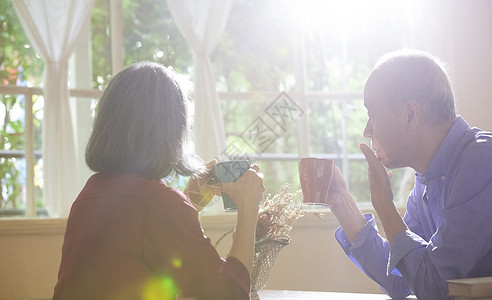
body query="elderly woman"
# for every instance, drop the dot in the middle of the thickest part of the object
(129, 236)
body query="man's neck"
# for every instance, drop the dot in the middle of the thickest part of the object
(430, 140)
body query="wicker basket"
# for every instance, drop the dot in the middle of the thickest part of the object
(266, 251)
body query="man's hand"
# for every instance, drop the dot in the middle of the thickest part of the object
(382, 196)
(379, 184)
(343, 206)
(338, 188)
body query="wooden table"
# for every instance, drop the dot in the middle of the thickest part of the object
(308, 295)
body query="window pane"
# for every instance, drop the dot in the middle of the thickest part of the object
(357, 180)
(13, 187)
(256, 125)
(255, 51)
(344, 38)
(151, 34)
(278, 173)
(12, 183)
(19, 63)
(325, 125)
(101, 44)
(336, 124)
(12, 161)
(356, 115)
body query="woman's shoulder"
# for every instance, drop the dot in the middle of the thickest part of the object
(169, 197)
(129, 185)
(152, 193)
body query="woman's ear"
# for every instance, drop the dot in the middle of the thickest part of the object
(412, 112)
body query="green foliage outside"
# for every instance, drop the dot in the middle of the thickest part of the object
(149, 34)
(19, 65)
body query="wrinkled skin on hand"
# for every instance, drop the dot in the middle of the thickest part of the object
(198, 190)
(247, 191)
(379, 184)
(338, 187)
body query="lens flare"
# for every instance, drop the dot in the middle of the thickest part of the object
(177, 263)
(160, 288)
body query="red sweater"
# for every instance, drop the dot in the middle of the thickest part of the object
(129, 237)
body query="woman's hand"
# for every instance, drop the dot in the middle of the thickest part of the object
(247, 191)
(197, 189)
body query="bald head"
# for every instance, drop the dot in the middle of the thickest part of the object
(417, 75)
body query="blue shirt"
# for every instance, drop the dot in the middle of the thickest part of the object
(448, 217)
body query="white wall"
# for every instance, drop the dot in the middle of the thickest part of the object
(460, 32)
(30, 253)
(312, 261)
(471, 44)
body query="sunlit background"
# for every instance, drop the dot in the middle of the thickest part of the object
(316, 52)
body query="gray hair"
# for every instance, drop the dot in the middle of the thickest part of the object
(417, 75)
(142, 125)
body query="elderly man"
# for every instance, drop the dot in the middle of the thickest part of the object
(446, 231)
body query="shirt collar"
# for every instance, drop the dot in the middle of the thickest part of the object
(443, 155)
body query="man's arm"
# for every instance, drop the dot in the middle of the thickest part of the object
(460, 246)
(345, 209)
(360, 240)
(382, 196)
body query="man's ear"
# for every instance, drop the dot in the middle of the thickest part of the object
(412, 113)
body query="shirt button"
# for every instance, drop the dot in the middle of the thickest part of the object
(443, 177)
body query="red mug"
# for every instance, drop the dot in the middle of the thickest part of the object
(315, 176)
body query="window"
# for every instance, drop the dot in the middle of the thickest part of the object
(19, 66)
(312, 55)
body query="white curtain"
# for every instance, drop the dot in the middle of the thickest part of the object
(53, 27)
(202, 23)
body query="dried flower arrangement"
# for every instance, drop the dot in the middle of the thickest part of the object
(275, 221)
(279, 213)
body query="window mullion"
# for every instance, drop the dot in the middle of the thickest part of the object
(117, 46)
(29, 155)
(300, 86)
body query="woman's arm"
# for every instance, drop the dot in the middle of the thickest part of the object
(246, 192)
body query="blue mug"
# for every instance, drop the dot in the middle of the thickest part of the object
(229, 171)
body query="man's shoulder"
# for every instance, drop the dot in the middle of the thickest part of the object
(477, 140)
(482, 136)
(474, 153)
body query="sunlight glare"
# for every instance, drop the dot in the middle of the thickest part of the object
(344, 17)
